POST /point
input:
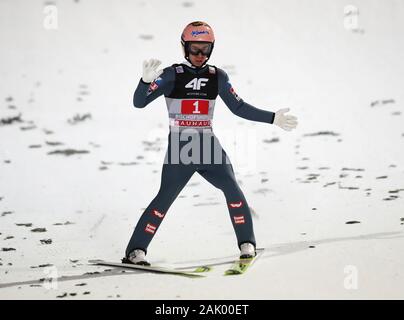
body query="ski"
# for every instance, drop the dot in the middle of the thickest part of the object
(197, 272)
(202, 269)
(240, 266)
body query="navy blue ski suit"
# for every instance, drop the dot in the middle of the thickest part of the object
(190, 95)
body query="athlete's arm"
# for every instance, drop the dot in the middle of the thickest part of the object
(147, 92)
(237, 105)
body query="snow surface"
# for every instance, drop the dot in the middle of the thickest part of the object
(71, 89)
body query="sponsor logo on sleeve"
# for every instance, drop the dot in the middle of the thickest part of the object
(154, 85)
(212, 70)
(239, 219)
(234, 94)
(150, 228)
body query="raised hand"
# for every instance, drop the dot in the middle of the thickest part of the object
(150, 72)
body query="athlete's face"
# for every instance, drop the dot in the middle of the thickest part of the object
(198, 53)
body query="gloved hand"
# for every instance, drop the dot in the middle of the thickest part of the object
(150, 72)
(286, 122)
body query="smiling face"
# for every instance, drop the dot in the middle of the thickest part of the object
(198, 53)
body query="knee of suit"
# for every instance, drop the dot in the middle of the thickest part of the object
(168, 194)
(231, 187)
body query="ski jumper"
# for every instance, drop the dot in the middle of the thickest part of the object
(190, 95)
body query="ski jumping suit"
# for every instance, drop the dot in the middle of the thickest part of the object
(190, 95)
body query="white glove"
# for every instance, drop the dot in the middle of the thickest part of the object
(150, 72)
(286, 122)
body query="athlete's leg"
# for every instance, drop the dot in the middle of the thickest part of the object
(222, 177)
(173, 179)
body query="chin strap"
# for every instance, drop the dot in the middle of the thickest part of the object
(194, 66)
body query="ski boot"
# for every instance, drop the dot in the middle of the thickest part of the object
(137, 257)
(247, 251)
